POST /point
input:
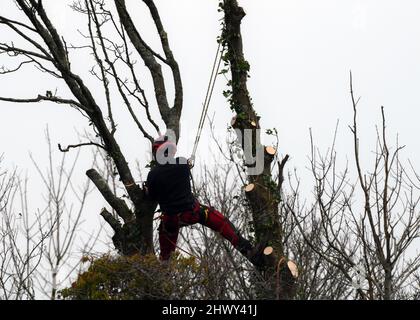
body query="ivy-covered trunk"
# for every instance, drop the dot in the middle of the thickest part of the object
(262, 191)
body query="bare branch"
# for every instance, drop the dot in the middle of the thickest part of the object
(169, 55)
(73, 146)
(49, 97)
(16, 51)
(171, 118)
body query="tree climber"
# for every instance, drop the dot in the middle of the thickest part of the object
(168, 183)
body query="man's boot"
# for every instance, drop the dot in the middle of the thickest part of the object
(253, 254)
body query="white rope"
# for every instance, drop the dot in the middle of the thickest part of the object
(209, 93)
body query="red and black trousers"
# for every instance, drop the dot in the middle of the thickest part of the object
(207, 216)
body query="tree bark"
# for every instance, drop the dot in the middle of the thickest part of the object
(262, 191)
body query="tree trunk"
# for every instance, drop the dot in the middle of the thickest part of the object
(262, 191)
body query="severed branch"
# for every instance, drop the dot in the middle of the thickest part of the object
(73, 146)
(114, 223)
(116, 203)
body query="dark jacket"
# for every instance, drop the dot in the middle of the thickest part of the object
(170, 186)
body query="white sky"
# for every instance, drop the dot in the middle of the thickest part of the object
(300, 51)
(300, 54)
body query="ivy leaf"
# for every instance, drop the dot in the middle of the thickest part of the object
(227, 93)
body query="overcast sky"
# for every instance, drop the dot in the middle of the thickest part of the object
(300, 51)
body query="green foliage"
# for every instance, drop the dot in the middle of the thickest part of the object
(136, 277)
(237, 64)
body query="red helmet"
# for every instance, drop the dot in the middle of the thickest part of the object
(163, 143)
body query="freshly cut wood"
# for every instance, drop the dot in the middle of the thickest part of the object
(268, 251)
(249, 187)
(270, 150)
(293, 269)
(253, 123)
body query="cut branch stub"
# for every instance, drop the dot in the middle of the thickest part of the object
(112, 221)
(286, 278)
(116, 203)
(293, 269)
(269, 153)
(270, 150)
(268, 250)
(249, 188)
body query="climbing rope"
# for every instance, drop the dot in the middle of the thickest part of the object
(209, 93)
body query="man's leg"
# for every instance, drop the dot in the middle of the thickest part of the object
(216, 221)
(169, 229)
(168, 235)
(213, 219)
